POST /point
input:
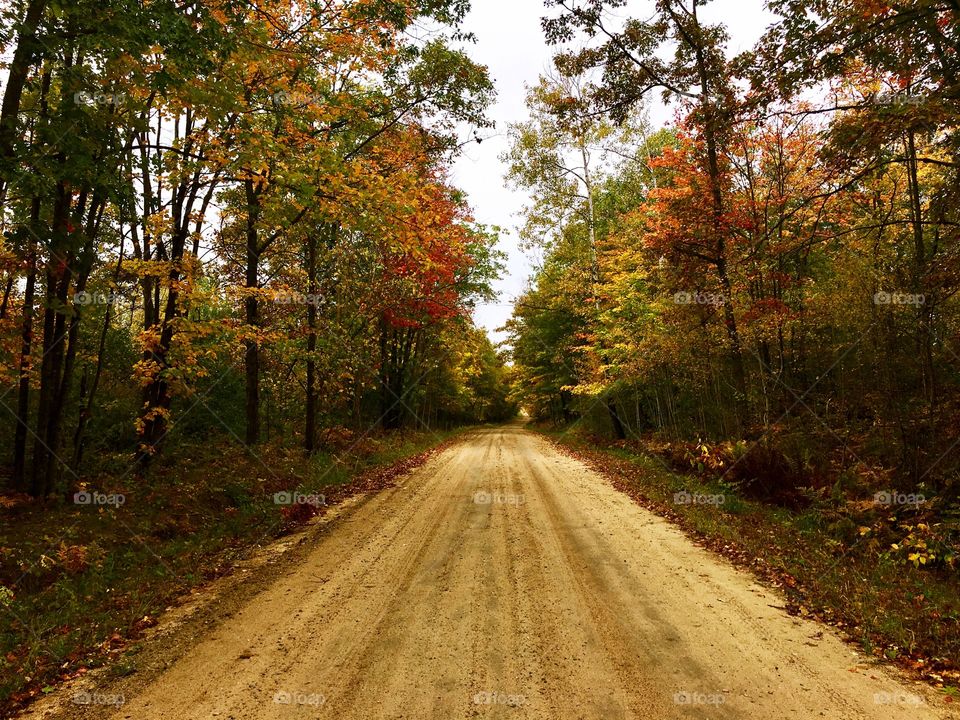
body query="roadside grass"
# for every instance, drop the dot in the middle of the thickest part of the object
(80, 583)
(831, 558)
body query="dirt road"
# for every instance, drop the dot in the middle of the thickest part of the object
(505, 580)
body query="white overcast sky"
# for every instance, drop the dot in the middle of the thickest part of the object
(510, 43)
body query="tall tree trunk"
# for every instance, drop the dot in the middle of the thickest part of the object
(26, 344)
(5, 305)
(615, 420)
(384, 371)
(84, 266)
(58, 275)
(310, 424)
(251, 357)
(709, 105)
(88, 390)
(26, 347)
(23, 58)
(156, 395)
(924, 310)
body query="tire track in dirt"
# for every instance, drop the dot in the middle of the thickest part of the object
(504, 580)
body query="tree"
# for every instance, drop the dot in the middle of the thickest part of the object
(158, 160)
(698, 76)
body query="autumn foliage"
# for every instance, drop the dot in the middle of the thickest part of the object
(778, 267)
(239, 211)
